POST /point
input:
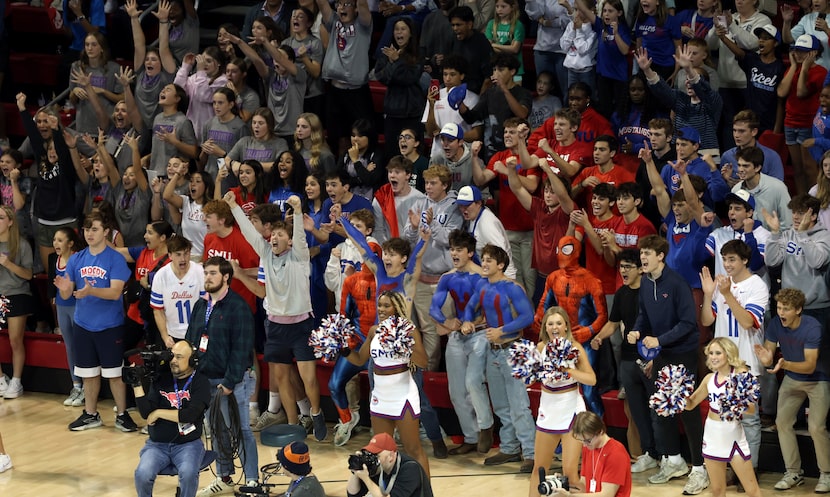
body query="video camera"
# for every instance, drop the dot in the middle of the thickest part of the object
(548, 485)
(365, 458)
(153, 357)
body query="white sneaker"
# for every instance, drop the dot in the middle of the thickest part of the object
(698, 482)
(644, 463)
(14, 390)
(216, 487)
(789, 480)
(268, 418)
(4, 384)
(70, 400)
(669, 471)
(822, 487)
(253, 414)
(5, 462)
(343, 432)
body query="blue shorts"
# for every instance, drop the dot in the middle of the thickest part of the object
(286, 342)
(99, 353)
(796, 136)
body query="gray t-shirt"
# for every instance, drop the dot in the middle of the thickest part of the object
(249, 147)
(132, 212)
(118, 148)
(102, 77)
(249, 100)
(224, 135)
(10, 283)
(325, 163)
(147, 91)
(347, 57)
(184, 38)
(314, 48)
(161, 151)
(286, 95)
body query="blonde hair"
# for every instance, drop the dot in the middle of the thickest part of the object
(318, 141)
(398, 302)
(543, 332)
(514, 19)
(823, 183)
(14, 233)
(729, 349)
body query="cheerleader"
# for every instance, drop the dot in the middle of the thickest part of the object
(723, 441)
(560, 403)
(395, 400)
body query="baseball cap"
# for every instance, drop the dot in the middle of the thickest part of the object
(467, 195)
(294, 457)
(805, 43)
(689, 134)
(381, 442)
(744, 196)
(768, 29)
(452, 130)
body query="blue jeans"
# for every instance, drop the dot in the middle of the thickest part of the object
(511, 405)
(554, 63)
(248, 454)
(587, 77)
(155, 456)
(66, 322)
(752, 430)
(429, 418)
(466, 357)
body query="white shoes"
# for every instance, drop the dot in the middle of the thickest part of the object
(14, 389)
(5, 462)
(644, 463)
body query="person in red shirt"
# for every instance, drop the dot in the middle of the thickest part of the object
(598, 256)
(802, 94)
(516, 220)
(591, 124)
(567, 154)
(603, 171)
(631, 225)
(224, 239)
(606, 468)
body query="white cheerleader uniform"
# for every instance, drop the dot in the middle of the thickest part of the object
(722, 439)
(396, 393)
(559, 404)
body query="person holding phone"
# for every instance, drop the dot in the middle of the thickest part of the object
(813, 23)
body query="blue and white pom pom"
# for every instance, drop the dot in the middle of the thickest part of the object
(559, 354)
(741, 390)
(4, 308)
(395, 335)
(331, 337)
(525, 361)
(673, 387)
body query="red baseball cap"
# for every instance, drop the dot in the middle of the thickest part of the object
(381, 442)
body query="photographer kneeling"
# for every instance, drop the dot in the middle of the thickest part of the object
(606, 467)
(174, 408)
(385, 472)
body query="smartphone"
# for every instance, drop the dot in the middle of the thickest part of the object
(220, 162)
(722, 20)
(822, 15)
(434, 86)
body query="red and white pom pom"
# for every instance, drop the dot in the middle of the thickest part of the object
(331, 337)
(741, 390)
(673, 387)
(396, 335)
(4, 308)
(525, 361)
(559, 355)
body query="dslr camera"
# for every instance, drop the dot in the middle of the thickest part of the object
(153, 358)
(357, 461)
(549, 484)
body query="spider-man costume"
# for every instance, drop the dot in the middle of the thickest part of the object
(579, 292)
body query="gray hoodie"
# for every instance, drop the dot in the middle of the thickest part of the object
(805, 256)
(445, 218)
(462, 170)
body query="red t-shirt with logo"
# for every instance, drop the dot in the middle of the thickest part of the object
(512, 214)
(595, 261)
(234, 246)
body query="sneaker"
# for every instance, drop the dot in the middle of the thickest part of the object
(698, 482)
(216, 487)
(253, 414)
(668, 471)
(789, 480)
(125, 423)
(145, 430)
(621, 394)
(268, 418)
(319, 426)
(644, 463)
(80, 400)
(86, 421)
(502, 458)
(72, 396)
(4, 384)
(822, 487)
(306, 421)
(129, 409)
(5, 462)
(343, 432)
(14, 390)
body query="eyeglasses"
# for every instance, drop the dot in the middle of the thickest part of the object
(406, 137)
(585, 441)
(345, 5)
(627, 267)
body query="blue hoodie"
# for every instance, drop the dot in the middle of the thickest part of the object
(667, 311)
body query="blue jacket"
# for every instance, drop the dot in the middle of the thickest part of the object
(667, 311)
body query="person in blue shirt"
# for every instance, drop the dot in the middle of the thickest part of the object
(658, 32)
(688, 144)
(340, 202)
(745, 127)
(507, 311)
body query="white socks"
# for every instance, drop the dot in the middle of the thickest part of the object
(304, 406)
(274, 403)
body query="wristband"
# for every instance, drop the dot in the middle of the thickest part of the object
(167, 21)
(80, 18)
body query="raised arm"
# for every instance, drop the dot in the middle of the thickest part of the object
(125, 77)
(85, 81)
(249, 52)
(369, 257)
(658, 187)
